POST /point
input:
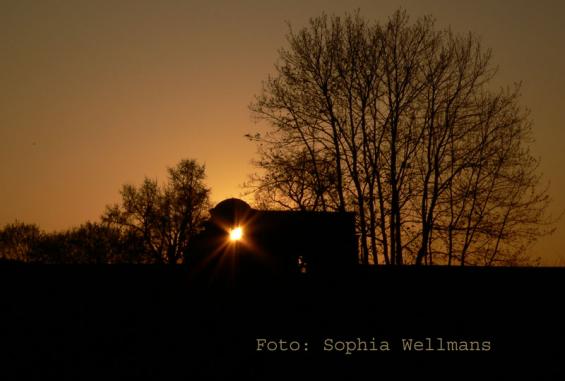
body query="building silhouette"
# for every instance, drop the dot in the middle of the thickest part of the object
(240, 239)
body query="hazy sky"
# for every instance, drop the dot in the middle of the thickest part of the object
(94, 94)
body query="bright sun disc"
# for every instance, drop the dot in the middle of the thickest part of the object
(236, 234)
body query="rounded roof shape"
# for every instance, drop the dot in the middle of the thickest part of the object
(231, 208)
(231, 204)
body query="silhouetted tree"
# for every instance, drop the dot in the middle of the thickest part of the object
(397, 123)
(164, 217)
(54, 248)
(88, 243)
(17, 239)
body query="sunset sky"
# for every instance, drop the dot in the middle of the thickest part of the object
(94, 94)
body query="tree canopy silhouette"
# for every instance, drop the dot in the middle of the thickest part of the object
(164, 217)
(153, 224)
(399, 122)
(89, 243)
(17, 240)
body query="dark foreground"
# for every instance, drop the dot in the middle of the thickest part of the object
(144, 322)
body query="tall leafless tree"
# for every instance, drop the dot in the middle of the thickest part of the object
(398, 123)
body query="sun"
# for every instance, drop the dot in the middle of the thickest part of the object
(236, 233)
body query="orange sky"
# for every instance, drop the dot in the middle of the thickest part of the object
(94, 94)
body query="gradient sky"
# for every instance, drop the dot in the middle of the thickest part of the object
(94, 94)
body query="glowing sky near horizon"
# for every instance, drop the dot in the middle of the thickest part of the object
(94, 94)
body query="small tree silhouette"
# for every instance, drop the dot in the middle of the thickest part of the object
(164, 217)
(17, 239)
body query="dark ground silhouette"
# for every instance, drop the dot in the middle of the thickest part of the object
(155, 322)
(290, 282)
